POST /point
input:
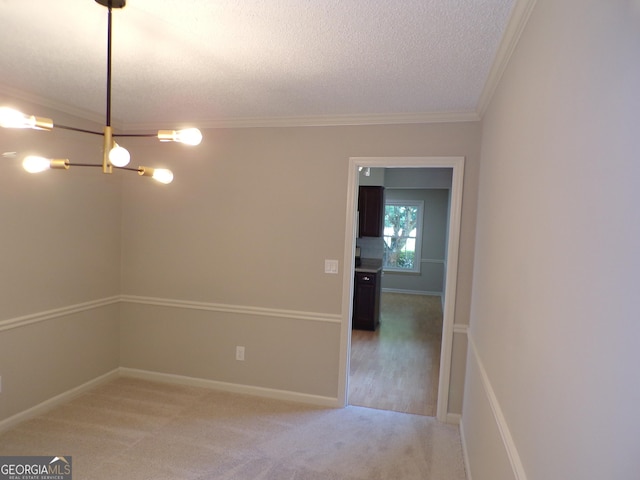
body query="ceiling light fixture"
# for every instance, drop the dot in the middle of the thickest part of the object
(114, 155)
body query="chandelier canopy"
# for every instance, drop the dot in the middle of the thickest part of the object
(114, 155)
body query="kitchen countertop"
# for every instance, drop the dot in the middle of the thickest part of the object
(369, 265)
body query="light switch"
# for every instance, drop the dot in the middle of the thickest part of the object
(331, 266)
(240, 353)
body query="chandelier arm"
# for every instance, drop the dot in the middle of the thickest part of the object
(131, 169)
(74, 129)
(85, 164)
(148, 135)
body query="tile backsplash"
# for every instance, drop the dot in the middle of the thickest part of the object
(371, 247)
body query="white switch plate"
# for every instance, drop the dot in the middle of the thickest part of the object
(331, 266)
(240, 353)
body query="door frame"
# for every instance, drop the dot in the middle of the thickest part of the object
(453, 246)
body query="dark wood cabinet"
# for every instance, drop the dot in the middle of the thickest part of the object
(366, 301)
(371, 211)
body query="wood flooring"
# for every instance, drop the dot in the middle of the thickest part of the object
(397, 366)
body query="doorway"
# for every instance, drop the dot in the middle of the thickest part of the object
(396, 366)
(456, 164)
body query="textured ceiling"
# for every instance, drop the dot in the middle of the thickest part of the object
(217, 62)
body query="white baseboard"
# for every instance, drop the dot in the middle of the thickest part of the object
(53, 402)
(453, 418)
(64, 397)
(465, 453)
(411, 292)
(499, 418)
(232, 387)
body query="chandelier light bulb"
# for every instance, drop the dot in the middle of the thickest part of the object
(188, 136)
(119, 156)
(11, 118)
(33, 164)
(163, 175)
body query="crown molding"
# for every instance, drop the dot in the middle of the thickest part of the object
(20, 95)
(517, 21)
(327, 120)
(253, 122)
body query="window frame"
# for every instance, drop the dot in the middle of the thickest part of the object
(419, 204)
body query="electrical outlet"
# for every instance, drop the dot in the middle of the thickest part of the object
(240, 353)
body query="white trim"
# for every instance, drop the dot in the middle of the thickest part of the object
(454, 418)
(461, 328)
(419, 205)
(56, 313)
(457, 165)
(501, 422)
(465, 452)
(250, 122)
(69, 395)
(453, 247)
(238, 309)
(231, 387)
(432, 260)
(412, 292)
(84, 114)
(330, 120)
(53, 402)
(519, 16)
(164, 302)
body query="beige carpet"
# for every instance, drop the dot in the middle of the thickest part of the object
(133, 429)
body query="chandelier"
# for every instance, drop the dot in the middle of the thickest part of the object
(114, 156)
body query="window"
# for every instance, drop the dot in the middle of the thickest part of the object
(402, 235)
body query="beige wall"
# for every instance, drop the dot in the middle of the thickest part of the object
(60, 255)
(552, 380)
(231, 253)
(248, 223)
